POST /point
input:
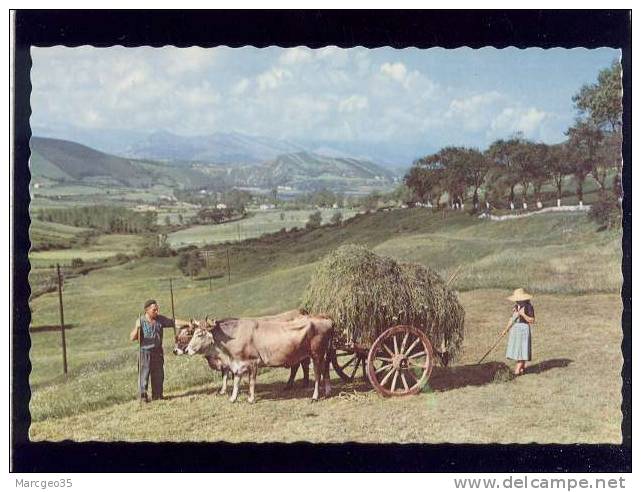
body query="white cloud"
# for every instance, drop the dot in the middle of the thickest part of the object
(193, 59)
(352, 104)
(396, 71)
(473, 104)
(332, 56)
(91, 118)
(240, 87)
(134, 78)
(296, 92)
(200, 96)
(526, 120)
(475, 112)
(292, 56)
(409, 79)
(273, 78)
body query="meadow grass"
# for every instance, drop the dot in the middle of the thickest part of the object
(51, 234)
(572, 395)
(255, 225)
(105, 246)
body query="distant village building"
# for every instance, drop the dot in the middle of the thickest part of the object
(267, 206)
(221, 206)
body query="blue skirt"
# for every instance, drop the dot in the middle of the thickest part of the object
(519, 343)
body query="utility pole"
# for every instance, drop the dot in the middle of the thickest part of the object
(228, 268)
(62, 321)
(173, 314)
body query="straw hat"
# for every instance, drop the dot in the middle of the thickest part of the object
(519, 295)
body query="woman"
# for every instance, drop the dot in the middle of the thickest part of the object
(519, 344)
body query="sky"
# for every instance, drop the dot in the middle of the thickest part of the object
(414, 97)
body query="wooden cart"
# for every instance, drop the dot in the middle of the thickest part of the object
(398, 363)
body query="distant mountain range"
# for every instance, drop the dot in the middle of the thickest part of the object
(65, 161)
(217, 148)
(228, 149)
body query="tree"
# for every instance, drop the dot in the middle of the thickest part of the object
(167, 220)
(477, 167)
(427, 179)
(540, 173)
(559, 164)
(371, 200)
(587, 140)
(528, 161)
(605, 212)
(237, 199)
(601, 102)
(337, 218)
(504, 175)
(418, 181)
(501, 154)
(455, 176)
(314, 220)
(190, 263)
(401, 194)
(598, 130)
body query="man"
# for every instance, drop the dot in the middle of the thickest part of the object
(150, 325)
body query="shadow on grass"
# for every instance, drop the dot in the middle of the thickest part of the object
(277, 390)
(442, 379)
(44, 328)
(209, 390)
(449, 378)
(546, 365)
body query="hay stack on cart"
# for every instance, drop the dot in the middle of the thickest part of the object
(388, 316)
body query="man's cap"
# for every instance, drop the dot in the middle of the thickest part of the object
(149, 302)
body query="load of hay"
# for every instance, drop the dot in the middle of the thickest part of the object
(365, 294)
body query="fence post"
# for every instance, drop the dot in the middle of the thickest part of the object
(173, 314)
(207, 254)
(62, 321)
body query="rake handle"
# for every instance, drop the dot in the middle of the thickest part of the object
(493, 346)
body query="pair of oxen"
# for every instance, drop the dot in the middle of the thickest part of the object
(239, 346)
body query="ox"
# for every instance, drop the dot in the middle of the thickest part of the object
(244, 345)
(185, 334)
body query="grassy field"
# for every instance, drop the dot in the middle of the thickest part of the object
(255, 225)
(54, 235)
(104, 246)
(572, 393)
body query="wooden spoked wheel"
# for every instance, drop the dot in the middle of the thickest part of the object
(400, 361)
(346, 363)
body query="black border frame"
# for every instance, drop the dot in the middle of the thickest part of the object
(313, 28)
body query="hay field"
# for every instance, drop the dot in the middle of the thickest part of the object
(571, 395)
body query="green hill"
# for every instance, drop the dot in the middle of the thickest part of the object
(80, 162)
(65, 161)
(306, 170)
